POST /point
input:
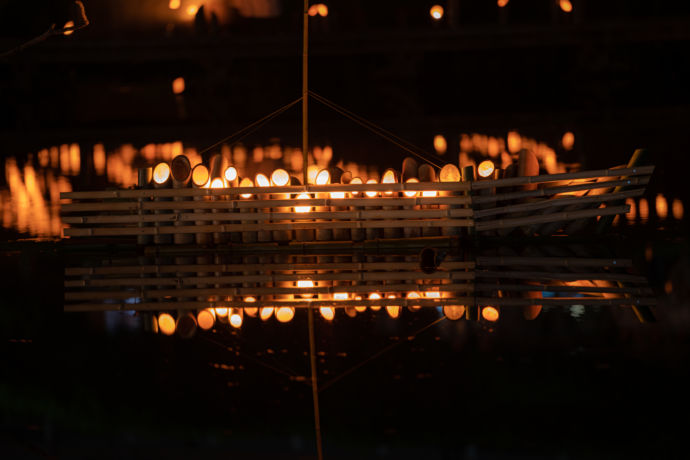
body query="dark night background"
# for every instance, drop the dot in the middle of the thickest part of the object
(613, 72)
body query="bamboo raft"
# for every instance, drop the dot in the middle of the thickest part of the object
(224, 211)
(250, 285)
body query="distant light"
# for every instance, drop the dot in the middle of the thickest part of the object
(454, 312)
(230, 174)
(305, 284)
(174, 4)
(328, 313)
(661, 206)
(411, 193)
(436, 12)
(643, 209)
(318, 9)
(285, 314)
(514, 142)
(221, 311)
(251, 311)
(280, 177)
(312, 172)
(161, 173)
(677, 209)
(392, 310)
(450, 173)
(250, 299)
(178, 85)
(565, 5)
(502, 3)
(490, 313)
(375, 296)
(192, 10)
(236, 318)
(486, 168)
(303, 209)
(568, 140)
(166, 324)
(68, 24)
(414, 295)
(440, 144)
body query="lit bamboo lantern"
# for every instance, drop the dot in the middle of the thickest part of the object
(221, 312)
(414, 295)
(236, 317)
(454, 312)
(248, 236)
(357, 234)
(281, 178)
(285, 314)
(262, 180)
(428, 174)
(166, 324)
(231, 179)
(161, 179)
(186, 325)
(490, 313)
(328, 313)
(218, 237)
(661, 206)
(372, 233)
(360, 308)
(265, 313)
(181, 173)
(144, 176)
(206, 318)
(391, 176)
(306, 234)
(375, 296)
(486, 169)
(200, 179)
(392, 310)
(450, 173)
(342, 234)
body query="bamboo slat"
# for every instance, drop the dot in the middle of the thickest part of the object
(555, 217)
(553, 262)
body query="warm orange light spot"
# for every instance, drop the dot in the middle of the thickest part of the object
(411, 193)
(643, 208)
(178, 85)
(490, 313)
(323, 177)
(502, 3)
(99, 159)
(192, 10)
(568, 140)
(303, 209)
(340, 296)
(449, 173)
(328, 313)
(436, 12)
(236, 318)
(206, 319)
(454, 312)
(392, 310)
(440, 144)
(250, 299)
(338, 195)
(230, 174)
(432, 295)
(285, 314)
(251, 311)
(322, 9)
(375, 296)
(486, 168)
(161, 173)
(429, 193)
(221, 311)
(668, 287)
(514, 142)
(246, 182)
(305, 284)
(217, 183)
(677, 209)
(200, 175)
(360, 308)
(166, 324)
(312, 172)
(371, 194)
(565, 5)
(262, 181)
(280, 177)
(265, 313)
(661, 206)
(356, 180)
(388, 178)
(630, 215)
(174, 4)
(68, 24)
(414, 295)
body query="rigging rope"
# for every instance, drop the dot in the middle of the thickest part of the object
(389, 136)
(252, 127)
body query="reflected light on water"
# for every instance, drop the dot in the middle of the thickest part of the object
(643, 209)
(490, 313)
(166, 324)
(328, 313)
(285, 314)
(677, 209)
(661, 206)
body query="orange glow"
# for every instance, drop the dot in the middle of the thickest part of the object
(251, 311)
(68, 24)
(568, 140)
(161, 173)
(200, 175)
(323, 177)
(429, 193)
(230, 174)
(178, 85)
(643, 209)
(371, 194)
(411, 193)
(246, 182)
(486, 168)
(312, 172)
(74, 159)
(454, 312)
(414, 295)
(280, 177)
(375, 296)
(630, 215)
(303, 209)
(262, 181)
(340, 296)
(449, 173)
(318, 9)
(677, 209)
(166, 324)
(565, 5)
(502, 3)
(265, 313)
(661, 206)
(388, 178)
(360, 308)
(206, 319)
(392, 310)
(236, 318)
(328, 313)
(440, 144)
(490, 313)
(250, 299)
(217, 183)
(337, 195)
(285, 314)
(221, 311)
(174, 4)
(356, 180)
(99, 159)
(514, 142)
(432, 295)
(192, 9)
(436, 12)
(305, 284)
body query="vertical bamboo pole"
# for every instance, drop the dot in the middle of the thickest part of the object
(181, 172)
(144, 178)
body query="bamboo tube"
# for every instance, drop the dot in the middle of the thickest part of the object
(357, 234)
(371, 233)
(232, 181)
(391, 176)
(341, 234)
(409, 231)
(428, 174)
(143, 180)
(185, 324)
(181, 172)
(409, 170)
(161, 179)
(280, 178)
(263, 181)
(306, 233)
(200, 179)
(247, 236)
(450, 173)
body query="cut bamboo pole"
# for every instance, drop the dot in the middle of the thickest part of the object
(143, 180)
(232, 182)
(161, 179)
(280, 178)
(428, 174)
(341, 234)
(263, 181)
(248, 236)
(409, 231)
(181, 172)
(372, 233)
(200, 179)
(450, 173)
(306, 232)
(391, 176)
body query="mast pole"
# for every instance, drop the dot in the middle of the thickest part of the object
(305, 91)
